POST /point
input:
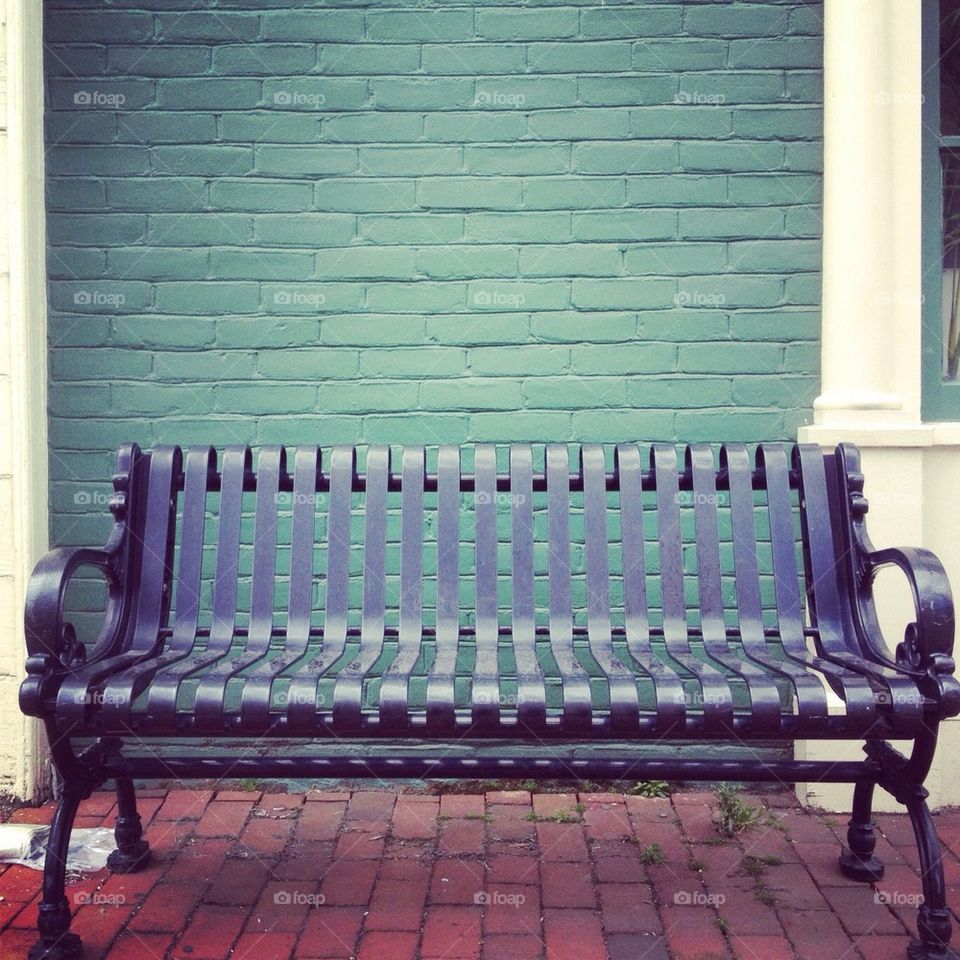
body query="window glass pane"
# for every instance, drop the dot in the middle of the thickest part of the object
(950, 163)
(949, 68)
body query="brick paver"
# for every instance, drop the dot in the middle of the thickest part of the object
(506, 875)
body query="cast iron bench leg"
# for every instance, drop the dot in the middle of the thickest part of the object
(933, 922)
(857, 860)
(53, 922)
(133, 852)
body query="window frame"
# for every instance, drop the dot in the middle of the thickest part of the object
(940, 399)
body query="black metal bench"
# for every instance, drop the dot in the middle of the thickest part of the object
(487, 612)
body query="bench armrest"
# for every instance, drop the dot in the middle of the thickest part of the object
(46, 632)
(927, 645)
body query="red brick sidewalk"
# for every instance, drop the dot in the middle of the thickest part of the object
(505, 876)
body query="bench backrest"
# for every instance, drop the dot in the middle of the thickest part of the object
(405, 542)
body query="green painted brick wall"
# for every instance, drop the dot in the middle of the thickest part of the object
(364, 221)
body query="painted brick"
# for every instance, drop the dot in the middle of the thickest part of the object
(426, 94)
(700, 122)
(577, 260)
(515, 159)
(178, 94)
(778, 123)
(627, 91)
(580, 124)
(274, 126)
(465, 262)
(174, 127)
(467, 192)
(318, 25)
(622, 294)
(410, 228)
(475, 59)
(414, 25)
(312, 94)
(262, 59)
(753, 21)
(202, 161)
(156, 61)
(624, 225)
(185, 27)
(347, 195)
(572, 193)
(679, 190)
(506, 24)
(335, 264)
(207, 298)
(308, 230)
(516, 228)
(98, 26)
(410, 161)
(373, 128)
(785, 52)
(497, 125)
(600, 57)
(674, 259)
(639, 21)
(736, 156)
(631, 157)
(366, 59)
(177, 229)
(260, 195)
(305, 161)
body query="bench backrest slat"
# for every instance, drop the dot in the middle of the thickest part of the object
(441, 695)
(486, 687)
(624, 702)
(236, 463)
(199, 462)
(704, 494)
(348, 692)
(735, 462)
(153, 597)
(576, 682)
(270, 465)
(531, 695)
(822, 575)
(783, 547)
(302, 539)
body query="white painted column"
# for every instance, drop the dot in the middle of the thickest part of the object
(871, 276)
(23, 378)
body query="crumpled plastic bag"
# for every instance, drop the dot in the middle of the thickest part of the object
(26, 844)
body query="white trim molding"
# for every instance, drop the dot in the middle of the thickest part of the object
(23, 381)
